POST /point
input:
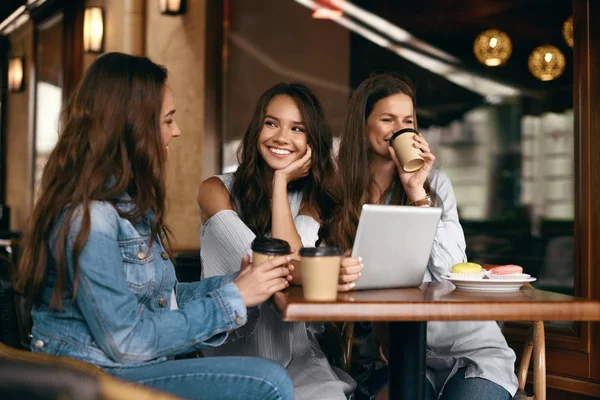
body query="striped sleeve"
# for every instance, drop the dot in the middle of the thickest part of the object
(225, 239)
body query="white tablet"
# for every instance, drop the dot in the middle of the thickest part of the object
(395, 244)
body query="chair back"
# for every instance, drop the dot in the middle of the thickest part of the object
(9, 325)
(29, 380)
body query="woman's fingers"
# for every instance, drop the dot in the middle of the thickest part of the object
(274, 263)
(382, 356)
(276, 273)
(350, 261)
(278, 285)
(349, 278)
(424, 147)
(346, 287)
(351, 270)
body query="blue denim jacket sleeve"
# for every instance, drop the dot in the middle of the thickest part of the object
(189, 291)
(111, 309)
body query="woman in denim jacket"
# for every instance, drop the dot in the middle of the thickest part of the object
(94, 263)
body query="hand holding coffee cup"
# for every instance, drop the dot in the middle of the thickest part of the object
(257, 282)
(265, 248)
(413, 181)
(403, 144)
(350, 270)
(320, 272)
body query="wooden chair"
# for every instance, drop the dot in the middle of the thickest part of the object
(109, 387)
(535, 344)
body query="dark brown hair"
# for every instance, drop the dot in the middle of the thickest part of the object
(355, 155)
(109, 144)
(319, 190)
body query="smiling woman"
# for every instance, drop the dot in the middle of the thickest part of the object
(283, 188)
(282, 140)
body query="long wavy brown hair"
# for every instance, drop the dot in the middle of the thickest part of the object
(109, 144)
(250, 188)
(354, 159)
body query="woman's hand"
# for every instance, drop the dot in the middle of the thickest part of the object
(381, 338)
(257, 283)
(350, 271)
(296, 170)
(413, 181)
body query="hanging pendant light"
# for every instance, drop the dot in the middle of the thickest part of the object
(546, 63)
(567, 31)
(492, 47)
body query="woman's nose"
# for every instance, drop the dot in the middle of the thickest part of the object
(281, 136)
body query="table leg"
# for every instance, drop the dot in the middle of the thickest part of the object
(407, 347)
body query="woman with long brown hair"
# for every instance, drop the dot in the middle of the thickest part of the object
(95, 262)
(465, 360)
(285, 188)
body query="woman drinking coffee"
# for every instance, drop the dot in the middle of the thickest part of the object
(465, 360)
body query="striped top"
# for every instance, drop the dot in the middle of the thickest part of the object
(224, 240)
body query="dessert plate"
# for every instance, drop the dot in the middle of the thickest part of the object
(488, 285)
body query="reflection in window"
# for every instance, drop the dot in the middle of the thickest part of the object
(49, 98)
(48, 91)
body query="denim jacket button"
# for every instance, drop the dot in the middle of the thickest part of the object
(238, 320)
(141, 255)
(39, 344)
(162, 302)
(164, 255)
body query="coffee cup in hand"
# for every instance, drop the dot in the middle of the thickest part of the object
(320, 272)
(264, 249)
(403, 144)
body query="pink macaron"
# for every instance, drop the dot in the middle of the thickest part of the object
(507, 270)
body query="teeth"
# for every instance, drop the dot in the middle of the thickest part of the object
(279, 151)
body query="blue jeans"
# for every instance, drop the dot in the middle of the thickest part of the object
(214, 378)
(461, 388)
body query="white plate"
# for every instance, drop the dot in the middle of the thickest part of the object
(488, 285)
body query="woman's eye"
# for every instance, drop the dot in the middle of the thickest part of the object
(270, 123)
(387, 120)
(297, 129)
(169, 122)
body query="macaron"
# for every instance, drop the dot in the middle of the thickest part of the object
(466, 267)
(507, 269)
(507, 272)
(467, 270)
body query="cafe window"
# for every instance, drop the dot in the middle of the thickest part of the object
(48, 90)
(504, 134)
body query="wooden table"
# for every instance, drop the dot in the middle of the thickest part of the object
(408, 311)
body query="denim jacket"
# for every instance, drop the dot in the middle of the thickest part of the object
(121, 316)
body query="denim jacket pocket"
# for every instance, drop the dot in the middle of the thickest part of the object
(138, 264)
(45, 344)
